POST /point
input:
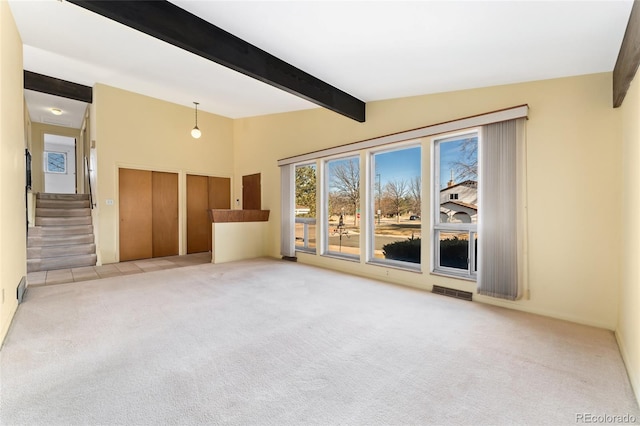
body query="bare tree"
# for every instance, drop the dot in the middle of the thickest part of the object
(396, 193)
(345, 184)
(415, 194)
(466, 167)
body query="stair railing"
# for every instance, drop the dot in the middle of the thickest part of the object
(88, 175)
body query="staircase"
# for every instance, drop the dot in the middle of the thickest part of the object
(63, 235)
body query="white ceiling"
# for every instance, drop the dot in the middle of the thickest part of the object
(372, 50)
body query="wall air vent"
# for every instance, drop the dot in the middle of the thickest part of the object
(458, 294)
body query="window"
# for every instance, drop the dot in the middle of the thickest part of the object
(391, 198)
(342, 203)
(305, 207)
(55, 162)
(455, 204)
(396, 204)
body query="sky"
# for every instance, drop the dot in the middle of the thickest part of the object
(404, 164)
(398, 165)
(449, 155)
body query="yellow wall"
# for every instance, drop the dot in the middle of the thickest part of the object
(38, 131)
(139, 132)
(574, 149)
(237, 241)
(628, 331)
(12, 168)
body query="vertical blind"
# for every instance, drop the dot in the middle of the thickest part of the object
(502, 218)
(287, 207)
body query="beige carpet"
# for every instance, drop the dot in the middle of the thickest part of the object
(269, 342)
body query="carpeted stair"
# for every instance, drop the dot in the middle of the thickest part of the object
(63, 235)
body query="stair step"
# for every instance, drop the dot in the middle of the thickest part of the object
(65, 204)
(69, 197)
(63, 221)
(44, 252)
(63, 212)
(50, 231)
(66, 262)
(58, 240)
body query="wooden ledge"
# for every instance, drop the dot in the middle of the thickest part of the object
(224, 215)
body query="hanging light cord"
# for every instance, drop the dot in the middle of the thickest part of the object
(195, 132)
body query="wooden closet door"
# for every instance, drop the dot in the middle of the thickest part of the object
(198, 222)
(251, 192)
(219, 193)
(135, 207)
(165, 214)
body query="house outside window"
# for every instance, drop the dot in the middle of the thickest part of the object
(455, 205)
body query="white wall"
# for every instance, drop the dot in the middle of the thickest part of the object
(60, 183)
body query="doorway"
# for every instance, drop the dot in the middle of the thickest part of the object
(251, 192)
(59, 164)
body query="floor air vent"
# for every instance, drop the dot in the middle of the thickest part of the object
(458, 294)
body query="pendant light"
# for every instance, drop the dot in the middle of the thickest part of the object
(195, 132)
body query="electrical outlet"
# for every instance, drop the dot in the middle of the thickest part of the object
(109, 202)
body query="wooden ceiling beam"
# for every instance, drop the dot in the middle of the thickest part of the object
(176, 26)
(628, 57)
(55, 86)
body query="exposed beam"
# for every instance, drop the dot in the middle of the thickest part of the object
(628, 57)
(57, 87)
(168, 22)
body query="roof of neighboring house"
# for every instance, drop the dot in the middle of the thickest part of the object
(467, 183)
(461, 204)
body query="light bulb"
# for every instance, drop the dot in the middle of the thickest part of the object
(196, 133)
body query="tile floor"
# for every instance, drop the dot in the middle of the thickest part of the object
(62, 276)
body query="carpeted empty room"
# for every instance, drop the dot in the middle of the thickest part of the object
(271, 342)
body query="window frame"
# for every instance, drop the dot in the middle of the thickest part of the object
(371, 204)
(437, 227)
(305, 248)
(324, 208)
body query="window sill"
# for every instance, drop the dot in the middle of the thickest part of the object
(409, 267)
(455, 276)
(342, 257)
(310, 250)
